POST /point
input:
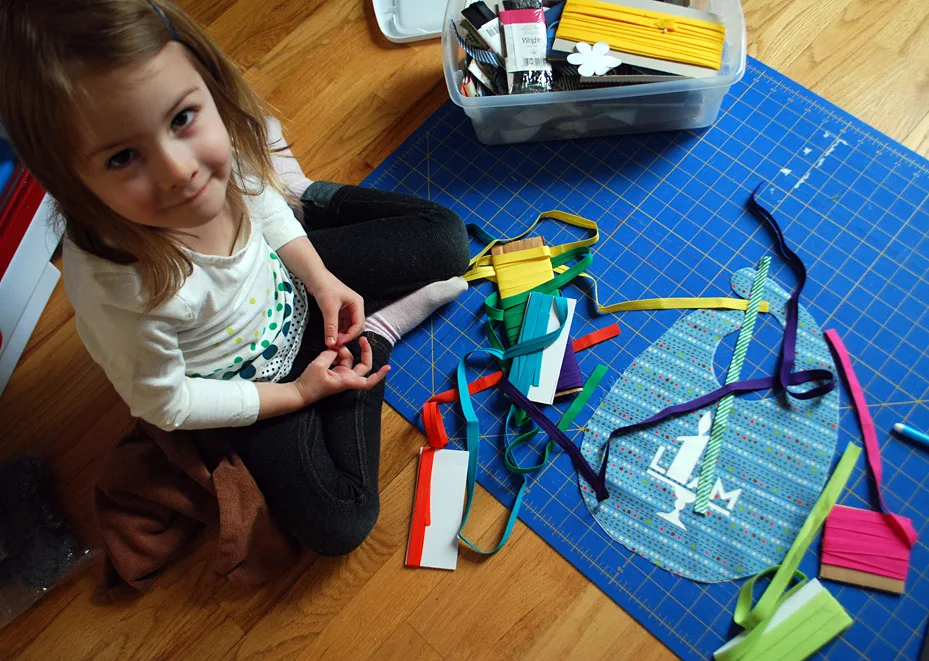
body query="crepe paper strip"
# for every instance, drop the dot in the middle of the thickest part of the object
(864, 542)
(472, 426)
(643, 32)
(786, 376)
(421, 511)
(755, 620)
(802, 624)
(432, 415)
(724, 408)
(901, 526)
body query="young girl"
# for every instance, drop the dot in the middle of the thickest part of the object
(195, 287)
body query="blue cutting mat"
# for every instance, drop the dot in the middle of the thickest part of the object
(671, 210)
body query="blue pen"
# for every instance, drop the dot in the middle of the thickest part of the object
(912, 434)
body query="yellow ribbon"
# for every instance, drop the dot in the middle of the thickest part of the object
(520, 271)
(644, 32)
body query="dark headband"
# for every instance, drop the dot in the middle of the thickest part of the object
(164, 19)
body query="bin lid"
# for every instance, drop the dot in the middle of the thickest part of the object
(403, 21)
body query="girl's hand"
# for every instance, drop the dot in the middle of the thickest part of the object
(333, 371)
(343, 310)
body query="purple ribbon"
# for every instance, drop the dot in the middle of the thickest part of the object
(784, 380)
(571, 376)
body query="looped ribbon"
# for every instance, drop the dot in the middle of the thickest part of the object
(568, 261)
(555, 432)
(785, 379)
(902, 527)
(756, 619)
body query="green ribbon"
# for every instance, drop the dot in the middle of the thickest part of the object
(756, 619)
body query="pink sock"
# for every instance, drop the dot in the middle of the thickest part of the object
(400, 317)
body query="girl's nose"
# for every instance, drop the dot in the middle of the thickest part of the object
(177, 166)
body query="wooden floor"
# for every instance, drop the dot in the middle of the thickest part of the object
(348, 98)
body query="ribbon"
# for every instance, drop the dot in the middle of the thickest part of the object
(422, 513)
(546, 270)
(642, 32)
(865, 541)
(786, 376)
(756, 619)
(432, 414)
(721, 421)
(480, 54)
(519, 400)
(862, 540)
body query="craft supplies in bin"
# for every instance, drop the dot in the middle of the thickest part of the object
(631, 98)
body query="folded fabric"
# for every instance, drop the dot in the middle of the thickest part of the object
(156, 491)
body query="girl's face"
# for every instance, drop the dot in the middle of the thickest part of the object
(154, 148)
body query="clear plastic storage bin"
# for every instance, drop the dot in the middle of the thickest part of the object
(665, 106)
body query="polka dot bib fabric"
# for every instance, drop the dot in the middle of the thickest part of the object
(772, 466)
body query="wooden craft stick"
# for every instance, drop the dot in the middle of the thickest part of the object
(863, 579)
(515, 246)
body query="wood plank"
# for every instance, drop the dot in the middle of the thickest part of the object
(601, 629)
(34, 414)
(322, 593)
(176, 616)
(330, 130)
(781, 30)
(918, 139)
(405, 643)
(246, 35)
(865, 61)
(319, 616)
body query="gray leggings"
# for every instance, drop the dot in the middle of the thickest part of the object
(318, 467)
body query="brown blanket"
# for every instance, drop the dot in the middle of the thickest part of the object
(155, 493)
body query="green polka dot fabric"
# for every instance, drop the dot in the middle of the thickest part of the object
(266, 337)
(773, 463)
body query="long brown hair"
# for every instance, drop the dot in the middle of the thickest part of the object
(42, 44)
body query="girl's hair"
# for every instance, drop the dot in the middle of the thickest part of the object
(44, 45)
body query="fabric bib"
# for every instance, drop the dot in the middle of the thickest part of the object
(772, 466)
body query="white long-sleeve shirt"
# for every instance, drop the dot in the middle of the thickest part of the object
(192, 362)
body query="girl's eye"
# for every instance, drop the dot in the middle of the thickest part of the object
(121, 159)
(183, 119)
